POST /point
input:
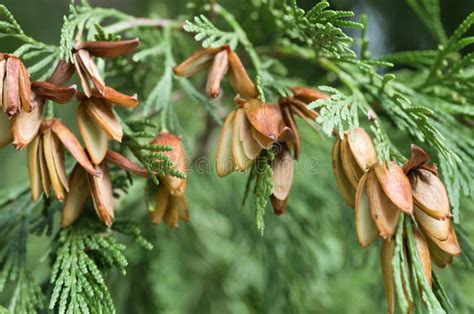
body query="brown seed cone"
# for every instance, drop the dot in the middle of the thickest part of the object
(239, 79)
(95, 139)
(307, 94)
(126, 164)
(108, 49)
(62, 73)
(396, 186)
(282, 177)
(11, 92)
(216, 74)
(198, 61)
(58, 94)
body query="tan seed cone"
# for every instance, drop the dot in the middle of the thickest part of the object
(282, 177)
(77, 197)
(345, 187)
(365, 226)
(241, 160)
(25, 125)
(216, 74)
(69, 140)
(430, 194)
(101, 112)
(362, 148)
(438, 229)
(384, 212)
(25, 89)
(162, 200)
(351, 168)
(423, 253)
(396, 186)
(34, 170)
(224, 159)
(45, 181)
(52, 157)
(102, 194)
(94, 137)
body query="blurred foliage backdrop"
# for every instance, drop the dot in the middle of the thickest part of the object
(308, 261)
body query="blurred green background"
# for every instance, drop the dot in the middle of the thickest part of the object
(308, 261)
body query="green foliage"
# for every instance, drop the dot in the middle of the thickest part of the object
(81, 22)
(427, 97)
(210, 35)
(81, 255)
(337, 113)
(262, 173)
(137, 138)
(318, 28)
(16, 215)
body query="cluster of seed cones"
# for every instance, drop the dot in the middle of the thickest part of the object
(23, 124)
(379, 193)
(254, 125)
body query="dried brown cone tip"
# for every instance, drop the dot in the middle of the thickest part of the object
(381, 195)
(50, 91)
(15, 90)
(88, 72)
(169, 208)
(174, 185)
(351, 158)
(46, 159)
(126, 164)
(282, 179)
(429, 193)
(219, 61)
(307, 94)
